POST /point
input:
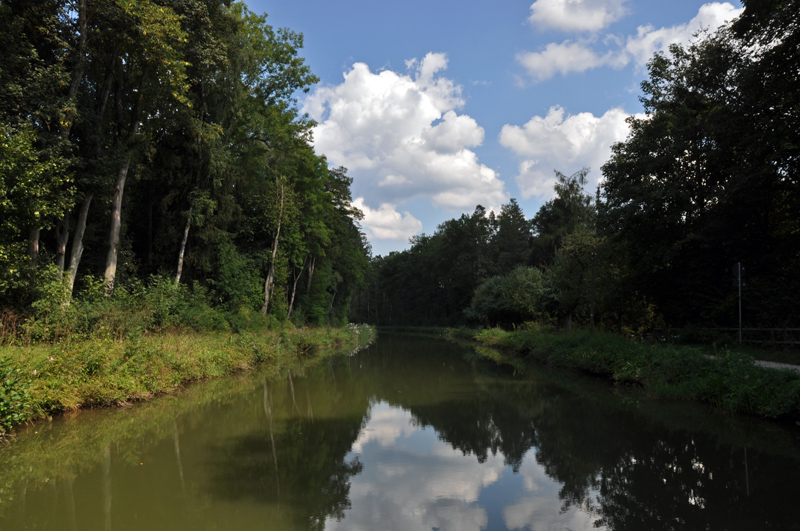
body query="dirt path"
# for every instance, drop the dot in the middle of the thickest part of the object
(776, 365)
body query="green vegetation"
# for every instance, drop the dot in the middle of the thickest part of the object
(708, 178)
(163, 138)
(44, 379)
(728, 380)
(164, 215)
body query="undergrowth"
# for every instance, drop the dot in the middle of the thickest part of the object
(45, 379)
(728, 380)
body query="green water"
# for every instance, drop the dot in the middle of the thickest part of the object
(411, 434)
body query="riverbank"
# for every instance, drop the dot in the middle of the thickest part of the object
(46, 379)
(730, 381)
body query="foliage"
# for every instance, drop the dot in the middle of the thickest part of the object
(522, 295)
(730, 380)
(571, 209)
(707, 179)
(45, 379)
(182, 116)
(15, 398)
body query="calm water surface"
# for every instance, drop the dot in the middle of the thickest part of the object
(410, 434)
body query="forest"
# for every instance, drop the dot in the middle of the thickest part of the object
(709, 178)
(154, 150)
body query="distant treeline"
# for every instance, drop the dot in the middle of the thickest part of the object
(162, 137)
(708, 178)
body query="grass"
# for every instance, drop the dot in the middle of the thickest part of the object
(730, 380)
(41, 380)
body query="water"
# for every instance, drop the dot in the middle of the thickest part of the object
(412, 434)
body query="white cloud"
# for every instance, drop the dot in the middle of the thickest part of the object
(454, 133)
(576, 15)
(401, 138)
(568, 56)
(386, 222)
(561, 59)
(648, 40)
(564, 143)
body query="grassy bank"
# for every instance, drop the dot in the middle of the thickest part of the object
(729, 381)
(40, 380)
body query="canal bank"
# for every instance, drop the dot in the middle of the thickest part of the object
(410, 433)
(729, 380)
(42, 380)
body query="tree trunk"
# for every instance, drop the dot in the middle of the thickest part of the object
(119, 188)
(77, 245)
(330, 307)
(268, 285)
(62, 238)
(116, 224)
(80, 68)
(310, 275)
(183, 247)
(294, 290)
(33, 248)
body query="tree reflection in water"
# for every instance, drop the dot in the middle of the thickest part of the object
(629, 469)
(546, 449)
(295, 460)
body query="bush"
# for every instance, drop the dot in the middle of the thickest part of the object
(15, 398)
(520, 296)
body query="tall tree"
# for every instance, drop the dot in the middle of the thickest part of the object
(709, 177)
(571, 208)
(512, 240)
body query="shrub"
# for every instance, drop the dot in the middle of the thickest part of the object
(15, 398)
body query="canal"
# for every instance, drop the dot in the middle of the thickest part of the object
(413, 433)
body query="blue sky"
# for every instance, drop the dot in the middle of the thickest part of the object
(437, 106)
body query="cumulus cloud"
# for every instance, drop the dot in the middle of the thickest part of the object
(648, 40)
(565, 143)
(401, 138)
(568, 56)
(576, 15)
(386, 222)
(561, 59)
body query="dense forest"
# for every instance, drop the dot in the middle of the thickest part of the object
(149, 147)
(709, 178)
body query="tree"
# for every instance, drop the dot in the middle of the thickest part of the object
(708, 178)
(521, 295)
(512, 240)
(569, 209)
(149, 37)
(34, 190)
(33, 73)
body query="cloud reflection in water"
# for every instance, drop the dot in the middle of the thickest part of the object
(413, 480)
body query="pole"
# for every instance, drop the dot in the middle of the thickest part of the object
(739, 270)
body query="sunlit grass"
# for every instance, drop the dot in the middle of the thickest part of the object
(99, 372)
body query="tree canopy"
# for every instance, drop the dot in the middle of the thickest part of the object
(707, 179)
(162, 137)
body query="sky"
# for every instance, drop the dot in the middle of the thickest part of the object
(438, 106)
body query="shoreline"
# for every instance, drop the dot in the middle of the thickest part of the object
(733, 382)
(45, 380)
